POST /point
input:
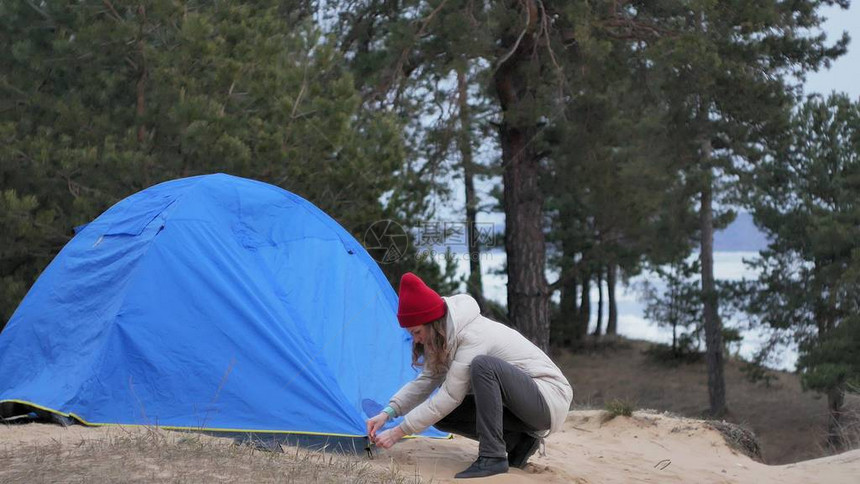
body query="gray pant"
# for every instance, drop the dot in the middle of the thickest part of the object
(505, 405)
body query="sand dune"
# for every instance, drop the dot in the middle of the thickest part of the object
(647, 447)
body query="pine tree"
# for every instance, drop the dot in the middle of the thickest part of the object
(102, 99)
(465, 142)
(612, 186)
(678, 306)
(531, 56)
(725, 71)
(401, 46)
(806, 198)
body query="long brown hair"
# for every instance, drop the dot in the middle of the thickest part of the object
(433, 355)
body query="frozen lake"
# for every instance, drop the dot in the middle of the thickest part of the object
(631, 321)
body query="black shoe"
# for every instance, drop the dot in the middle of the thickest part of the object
(485, 466)
(519, 456)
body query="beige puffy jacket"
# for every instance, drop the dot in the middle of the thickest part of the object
(469, 335)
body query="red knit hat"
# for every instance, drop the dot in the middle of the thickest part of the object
(418, 303)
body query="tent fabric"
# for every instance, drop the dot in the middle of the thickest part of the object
(209, 303)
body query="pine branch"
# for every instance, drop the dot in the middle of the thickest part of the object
(40, 11)
(545, 29)
(525, 30)
(110, 7)
(404, 55)
(563, 279)
(630, 29)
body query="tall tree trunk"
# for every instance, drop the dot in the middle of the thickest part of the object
(611, 280)
(568, 303)
(474, 285)
(673, 318)
(713, 326)
(569, 314)
(835, 400)
(528, 303)
(584, 307)
(826, 321)
(141, 76)
(599, 326)
(524, 239)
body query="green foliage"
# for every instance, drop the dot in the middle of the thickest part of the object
(731, 336)
(620, 103)
(21, 220)
(756, 372)
(102, 99)
(441, 277)
(632, 110)
(611, 189)
(676, 302)
(834, 359)
(724, 76)
(407, 58)
(678, 306)
(617, 408)
(806, 198)
(685, 352)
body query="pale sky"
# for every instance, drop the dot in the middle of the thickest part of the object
(844, 74)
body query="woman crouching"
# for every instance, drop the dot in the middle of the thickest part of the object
(496, 386)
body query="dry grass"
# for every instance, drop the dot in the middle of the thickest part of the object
(789, 423)
(153, 455)
(847, 430)
(738, 437)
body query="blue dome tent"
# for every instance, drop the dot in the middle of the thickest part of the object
(210, 303)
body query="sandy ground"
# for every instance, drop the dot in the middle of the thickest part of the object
(790, 424)
(643, 448)
(34, 434)
(647, 447)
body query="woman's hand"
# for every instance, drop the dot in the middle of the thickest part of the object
(389, 437)
(375, 424)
